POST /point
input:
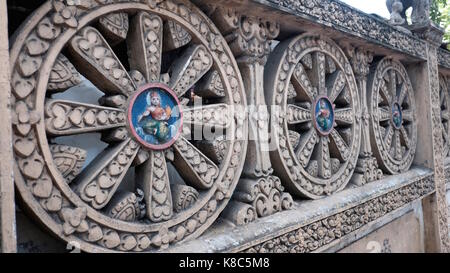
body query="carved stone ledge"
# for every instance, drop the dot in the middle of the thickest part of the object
(351, 21)
(329, 220)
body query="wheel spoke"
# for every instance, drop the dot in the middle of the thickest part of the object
(100, 180)
(342, 147)
(301, 79)
(338, 84)
(405, 137)
(403, 93)
(217, 116)
(65, 118)
(393, 84)
(388, 137)
(319, 73)
(324, 158)
(153, 179)
(95, 59)
(385, 92)
(383, 114)
(197, 169)
(145, 45)
(114, 26)
(408, 115)
(297, 114)
(190, 68)
(344, 116)
(398, 145)
(306, 147)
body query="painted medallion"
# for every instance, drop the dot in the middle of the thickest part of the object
(155, 116)
(323, 116)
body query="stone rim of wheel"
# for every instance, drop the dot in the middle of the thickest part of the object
(287, 82)
(444, 96)
(394, 155)
(45, 190)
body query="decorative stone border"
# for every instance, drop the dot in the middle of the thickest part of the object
(315, 225)
(352, 21)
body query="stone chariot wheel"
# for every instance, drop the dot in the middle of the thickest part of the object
(393, 124)
(170, 146)
(445, 112)
(315, 115)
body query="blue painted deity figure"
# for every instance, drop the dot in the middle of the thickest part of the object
(324, 118)
(397, 118)
(155, 117)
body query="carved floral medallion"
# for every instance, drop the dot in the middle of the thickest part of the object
(156, 183)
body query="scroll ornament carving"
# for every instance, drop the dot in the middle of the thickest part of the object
(265, 195)
(324, 232)
(62, 207)
(249, 37)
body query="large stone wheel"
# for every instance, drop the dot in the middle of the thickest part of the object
(315, 115)
(393, 123)
(445, 112)
(170, 89)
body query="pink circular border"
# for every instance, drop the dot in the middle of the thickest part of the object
(141, 90)
(314, 116)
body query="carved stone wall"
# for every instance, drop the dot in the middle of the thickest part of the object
(150, 125)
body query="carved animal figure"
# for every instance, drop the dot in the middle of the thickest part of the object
(420, 13)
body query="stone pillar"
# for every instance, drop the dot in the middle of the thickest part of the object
(425, 79)
(7, 207)
(250, 40)
(367, 167)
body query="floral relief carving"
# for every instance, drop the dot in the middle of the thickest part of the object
(54, 174)
(314, 236)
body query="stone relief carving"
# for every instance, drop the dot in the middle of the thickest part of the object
(86, 204)
(321, 233)
(324, 109)
(444, 96)
(392, 109)
(367, 166)
(250, 39)
(420, 11)
(354, 22)
(444, 58)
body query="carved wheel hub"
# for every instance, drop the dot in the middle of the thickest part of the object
(155, 117)
(323, 116)
(315, 116)
(128, 124)
(393, 123)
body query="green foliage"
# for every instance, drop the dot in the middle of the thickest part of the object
(440, 14)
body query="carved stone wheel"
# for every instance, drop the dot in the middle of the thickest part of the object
(157, 182)
(315, 115)
(393, 124)
(445, 112)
